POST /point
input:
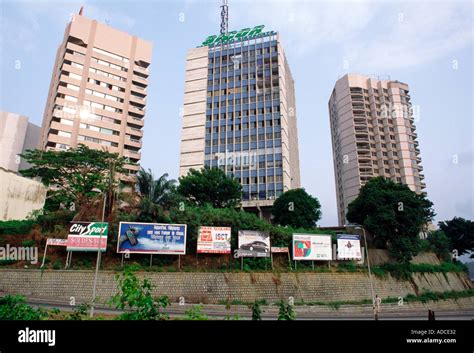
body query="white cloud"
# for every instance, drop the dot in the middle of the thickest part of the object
(373, 36)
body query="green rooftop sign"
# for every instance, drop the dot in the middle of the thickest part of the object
(243, 34)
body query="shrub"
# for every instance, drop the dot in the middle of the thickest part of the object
(195, 313)
(256, 311)
(16, 227)
(14, 307)
(286, 311)
(137, 295)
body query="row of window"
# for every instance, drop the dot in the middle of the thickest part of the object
(104, 95)
(244, 54)
(243, 126)
(238, 139)
(96, 140)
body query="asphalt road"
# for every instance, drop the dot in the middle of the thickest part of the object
(219, 312)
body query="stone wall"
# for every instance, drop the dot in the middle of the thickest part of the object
(219, 287)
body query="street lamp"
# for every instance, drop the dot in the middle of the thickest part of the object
(98, 253)
(358, 226)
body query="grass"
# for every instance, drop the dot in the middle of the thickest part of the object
(405, 271)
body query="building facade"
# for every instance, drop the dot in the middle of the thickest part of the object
(373, 134)
(239, 114)
(17, 135)
(97, 96)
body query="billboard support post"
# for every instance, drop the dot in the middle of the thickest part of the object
(241, 263)
(99, 253)
(271, 259)
(179, 262)
(121, 264)
(312, 263)
(289, 259)
(151, 260)
(44, 256)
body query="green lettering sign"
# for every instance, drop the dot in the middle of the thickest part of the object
(243, 34)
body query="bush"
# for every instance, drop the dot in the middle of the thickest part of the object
(195, 313)
(286, 311)
(256, 311)
(14, 307)
(16, 227)
(137, 296)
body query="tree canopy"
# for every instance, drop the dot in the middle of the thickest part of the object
(73, 174)
(210, 186)
(393, 214)
(155, 193)
(296, 208)
(460, 232)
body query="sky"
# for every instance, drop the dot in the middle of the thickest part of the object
(426, 44)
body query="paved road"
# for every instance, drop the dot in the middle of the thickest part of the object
(219, 312)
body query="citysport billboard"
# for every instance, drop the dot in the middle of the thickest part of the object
(84, 236)
(348, 247)
(254, 244)
(151, 238)
(214, 240)
(312, 247)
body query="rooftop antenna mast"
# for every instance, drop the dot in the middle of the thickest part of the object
(224, 17)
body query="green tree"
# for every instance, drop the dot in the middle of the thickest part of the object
(156, 194)
(440, 244)
(210, 186)
(137, 296)
(393, 214)
(460, 232)
(296, 208)
(74, 174)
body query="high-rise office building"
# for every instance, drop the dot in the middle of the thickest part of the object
(240, 115)
(373, 134)
(98, 91)
(17, 135)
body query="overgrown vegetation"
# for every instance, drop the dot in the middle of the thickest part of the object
(136, 298)
(14, 307)
(286, 311)
(405, 271)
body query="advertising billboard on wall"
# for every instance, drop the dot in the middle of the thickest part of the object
(84, 236)
(214, 240)
(348, 247)
(312, 247)
(254, 243)
(152, 238)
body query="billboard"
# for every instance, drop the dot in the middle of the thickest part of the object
(152, 238)
(214, 240)
(312, 247)
(348, 247)
(84, 236)
(254, 243)
(56, 242)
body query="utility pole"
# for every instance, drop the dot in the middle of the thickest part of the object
(224, 17)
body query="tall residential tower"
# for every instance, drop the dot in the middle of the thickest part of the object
(373, 134)
(98, 91)
(240, 115)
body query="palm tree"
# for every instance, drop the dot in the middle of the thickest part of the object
(155, 194)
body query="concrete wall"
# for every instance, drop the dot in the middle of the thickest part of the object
(19, 196)
(216, 287)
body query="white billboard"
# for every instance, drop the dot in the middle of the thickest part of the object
(348, 247)
(312, 247)
(214, 240)
(254, 244)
